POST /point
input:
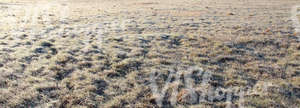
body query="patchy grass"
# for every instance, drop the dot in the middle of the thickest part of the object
(104, 55)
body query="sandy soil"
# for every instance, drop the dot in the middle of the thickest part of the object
(101, 53)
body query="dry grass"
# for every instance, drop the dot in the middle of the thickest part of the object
(242, 46)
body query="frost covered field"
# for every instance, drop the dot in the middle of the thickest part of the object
(150, 53)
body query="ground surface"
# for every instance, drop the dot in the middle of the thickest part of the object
(102, 53)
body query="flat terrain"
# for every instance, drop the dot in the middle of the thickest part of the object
(102, 53)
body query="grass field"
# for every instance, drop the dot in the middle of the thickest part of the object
(117, 53)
